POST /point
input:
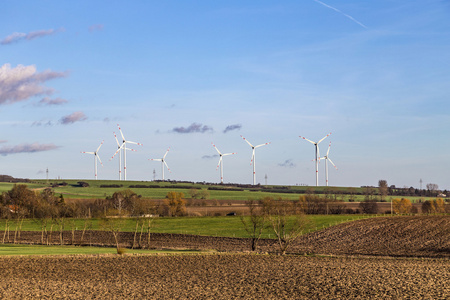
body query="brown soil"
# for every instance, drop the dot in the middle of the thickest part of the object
(222, 276)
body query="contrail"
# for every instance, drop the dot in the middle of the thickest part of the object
(348, 16)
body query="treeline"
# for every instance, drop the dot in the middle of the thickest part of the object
(21, 202)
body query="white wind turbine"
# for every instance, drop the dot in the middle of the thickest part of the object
(124, 148)
(163, 162)
(221, 161)
(253, 161)
(316, 146)
(96, 157)
(327, 158)
(119, 146)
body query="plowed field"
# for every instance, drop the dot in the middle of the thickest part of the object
(222, 276)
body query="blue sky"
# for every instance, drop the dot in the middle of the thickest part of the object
(178, 73)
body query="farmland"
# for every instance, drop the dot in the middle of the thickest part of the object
(338, 256)
(361, 266)
(222, 276)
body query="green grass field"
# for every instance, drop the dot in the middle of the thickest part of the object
(10, 249)
(209, 226)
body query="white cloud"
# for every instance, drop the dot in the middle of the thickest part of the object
(74, 117)
(23, 82)
(26, 148)
(18, 36)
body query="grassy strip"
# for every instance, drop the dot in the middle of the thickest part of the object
(10, 249)
(208, 226)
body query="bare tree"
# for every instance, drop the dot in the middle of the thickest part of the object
(255, 223)
(383, 189)
(433, 188)
(369, 206)
(287, 227)
(114, 225)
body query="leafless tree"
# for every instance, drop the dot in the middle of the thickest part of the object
(255, 223)
(287, 227)
(383, 188)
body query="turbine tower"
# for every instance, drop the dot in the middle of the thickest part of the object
(163, 162)
(316, 146)
(96, 157)
(124, 148)
(253, 161)
(221, 161)
(327, 158)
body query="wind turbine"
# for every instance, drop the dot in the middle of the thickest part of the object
(123, 147)
(316, 146)
(327, 158)
(253, 161)
(221, 161)
(163, 162)
(119, 146)
(96, 157)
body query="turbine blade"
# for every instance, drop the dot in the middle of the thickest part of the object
(262, 145)
(247, 141)
(123, 138)
(218, 164)
(229, 153)
(88, 152)
(117, 141)
(253, 156)
(216, 149)
(166, 153)
(307, 140)
(155, 159)
(118, 150)
(332, 163)
(98, 157)
(328, 152)
(135, 143)
(324, 138)
(100, 146)
(168, 169)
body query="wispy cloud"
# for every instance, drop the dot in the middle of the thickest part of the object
(193, 128)
(209, 156)
(22, 82)
(74, 117)
(342, 13)
(3, 141)
(96, 27)
(287, 164)
(55, 101)
(232, 127)
(42, 123)
(19, 36)
(26, 148)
